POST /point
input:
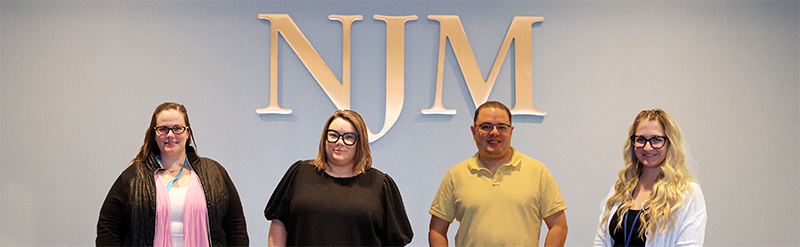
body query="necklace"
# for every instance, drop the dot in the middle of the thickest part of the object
(339, 175)
(169, 185)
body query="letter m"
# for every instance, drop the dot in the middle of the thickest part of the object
(519, 32)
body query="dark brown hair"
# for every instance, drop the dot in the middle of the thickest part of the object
(491, 104)
(149, 146)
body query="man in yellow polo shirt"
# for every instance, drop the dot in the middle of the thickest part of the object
(500, 195)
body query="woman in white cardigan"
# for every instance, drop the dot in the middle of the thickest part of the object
(655, 201)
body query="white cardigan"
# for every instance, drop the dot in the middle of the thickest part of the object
(690, 229)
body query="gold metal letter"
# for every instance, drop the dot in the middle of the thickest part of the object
(520, 31)
(395, 70)
(339, 93)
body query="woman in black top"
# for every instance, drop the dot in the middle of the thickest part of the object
(337, 199)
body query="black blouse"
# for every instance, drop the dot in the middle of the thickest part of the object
(619, 237)
(320, 210)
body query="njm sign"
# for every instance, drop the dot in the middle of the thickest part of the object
(450, 28)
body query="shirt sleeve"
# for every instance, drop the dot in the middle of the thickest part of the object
(443, 205)
(602, 237)
(112, 224)
(234, 223)
(398, 228)
(693, 219)
(551, 201)
(281, 199)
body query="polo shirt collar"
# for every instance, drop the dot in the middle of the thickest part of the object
(514, 162)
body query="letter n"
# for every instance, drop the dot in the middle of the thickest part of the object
(338, 92)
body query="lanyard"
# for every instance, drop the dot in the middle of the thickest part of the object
(169, 185)
(628, 234)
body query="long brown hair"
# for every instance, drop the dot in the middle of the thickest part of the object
(363, 158)
(671, 183)
(149, 146)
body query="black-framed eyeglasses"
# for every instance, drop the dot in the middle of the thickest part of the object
(487, 127)
(657, 142)
(163, 130)
(348, 138)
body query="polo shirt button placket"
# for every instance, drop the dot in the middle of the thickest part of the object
(496, 178)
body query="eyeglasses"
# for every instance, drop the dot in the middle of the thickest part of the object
(657, 142)
(487, 127)
(163, 130)
(348, 138)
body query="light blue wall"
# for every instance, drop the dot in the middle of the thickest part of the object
(79, 80)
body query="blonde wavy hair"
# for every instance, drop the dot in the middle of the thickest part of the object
(674, 179)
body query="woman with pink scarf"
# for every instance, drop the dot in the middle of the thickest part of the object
(169, 196)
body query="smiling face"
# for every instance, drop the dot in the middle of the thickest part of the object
(647, 155)
(170, 144)
(492, 144)
(339, 154)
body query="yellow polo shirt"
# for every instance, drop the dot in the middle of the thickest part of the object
(501, 209)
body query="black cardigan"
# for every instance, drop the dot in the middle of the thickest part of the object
(128, 214)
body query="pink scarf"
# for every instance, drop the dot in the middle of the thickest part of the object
(195, 214)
